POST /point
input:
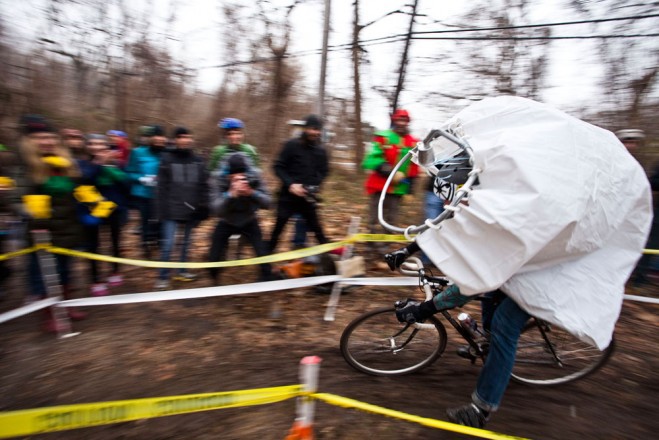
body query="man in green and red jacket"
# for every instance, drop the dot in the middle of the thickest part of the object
(387, 149)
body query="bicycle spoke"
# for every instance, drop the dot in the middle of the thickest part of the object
(377, 343)
(548, 355)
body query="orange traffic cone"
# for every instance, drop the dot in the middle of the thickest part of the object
(300, 432)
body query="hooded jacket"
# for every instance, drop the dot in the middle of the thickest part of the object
(182, 191)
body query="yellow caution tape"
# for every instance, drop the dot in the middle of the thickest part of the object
(13, 254)
(433, 423)
(290, 255)
(60, 418)
(283, 256)
(363, 238)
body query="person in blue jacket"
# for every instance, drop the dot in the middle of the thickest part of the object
(142, 169)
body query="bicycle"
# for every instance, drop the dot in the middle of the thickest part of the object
(376, 343)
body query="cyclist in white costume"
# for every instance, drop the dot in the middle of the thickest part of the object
(557, 221)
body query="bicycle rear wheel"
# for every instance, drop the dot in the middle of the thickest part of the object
(558, 359)
(376, 343)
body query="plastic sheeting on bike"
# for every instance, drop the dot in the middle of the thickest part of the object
(558, 221)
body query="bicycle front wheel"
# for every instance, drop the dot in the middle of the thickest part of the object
(549, 355)
(376, 343)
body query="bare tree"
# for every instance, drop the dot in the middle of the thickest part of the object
(507, 64)
(358, 58)
(356, 62)
(631, 65)
(404, 58)
(277, 38)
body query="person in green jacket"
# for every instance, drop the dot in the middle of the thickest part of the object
(387, 149)
(235, 137)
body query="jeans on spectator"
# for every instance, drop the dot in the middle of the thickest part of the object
(220, 241)
(35, 275)
(92, 234)
(432, 207)
(149, 223)
(300, 237)
(169, 228)
(507, 323)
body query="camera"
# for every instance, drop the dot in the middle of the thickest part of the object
(253, 182)
(312, 195)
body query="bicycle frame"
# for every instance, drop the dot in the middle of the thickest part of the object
(414, 267)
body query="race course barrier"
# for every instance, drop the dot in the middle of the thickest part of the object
(274, 258)
(85, 415)
(230, 290)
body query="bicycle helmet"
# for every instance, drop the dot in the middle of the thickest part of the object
(231, 124)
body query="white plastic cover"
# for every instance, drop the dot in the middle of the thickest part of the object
(558, 221)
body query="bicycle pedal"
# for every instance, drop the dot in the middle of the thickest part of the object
(465, 352)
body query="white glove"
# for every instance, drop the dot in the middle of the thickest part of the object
(147, 180)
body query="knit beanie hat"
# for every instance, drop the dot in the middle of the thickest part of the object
(181, 131)
(237, 164)
(31, 124)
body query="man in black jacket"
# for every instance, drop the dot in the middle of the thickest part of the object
(181, 199)
(301, 166)
(237, 193)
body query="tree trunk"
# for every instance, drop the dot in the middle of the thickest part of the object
(359, 135)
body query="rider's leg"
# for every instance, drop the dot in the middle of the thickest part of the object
(507, 324)
(489, 304)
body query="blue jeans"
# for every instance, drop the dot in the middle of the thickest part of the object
(35, 276)
(169, 228)
(300, 237)
(148, 219)
(507, 323)
(432, 207)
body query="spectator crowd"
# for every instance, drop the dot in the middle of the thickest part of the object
(78, 185)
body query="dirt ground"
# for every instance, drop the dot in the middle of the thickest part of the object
(233, 343)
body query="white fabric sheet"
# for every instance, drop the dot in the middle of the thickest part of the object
(558, 221)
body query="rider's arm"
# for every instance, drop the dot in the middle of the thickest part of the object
(396, 258)
(418, 312)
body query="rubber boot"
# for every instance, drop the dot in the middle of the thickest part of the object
(74, 314)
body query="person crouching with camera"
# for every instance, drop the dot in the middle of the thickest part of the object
(237, 193)
(301, 167)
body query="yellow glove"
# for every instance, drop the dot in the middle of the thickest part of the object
(87, 194)
(103, 209)
(57, 161)
(7, 183)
